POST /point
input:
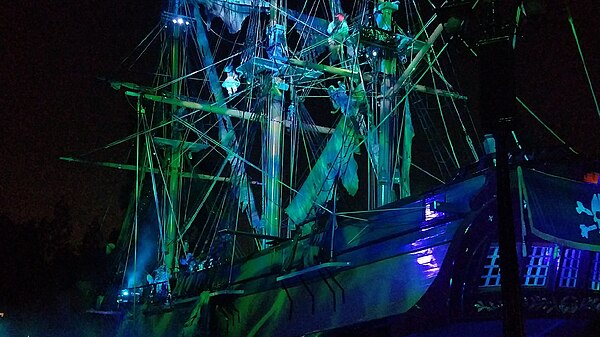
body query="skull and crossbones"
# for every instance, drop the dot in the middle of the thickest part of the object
(593, 212)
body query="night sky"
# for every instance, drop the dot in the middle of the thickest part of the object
(53, 105)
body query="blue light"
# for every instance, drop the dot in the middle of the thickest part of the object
(180, 21)
(125, 292)
(431, 207)
(174, 20)
(430, 211)
(424, 260)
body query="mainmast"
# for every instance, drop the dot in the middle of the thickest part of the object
(387, 69)
(174, 165)
(273, 127)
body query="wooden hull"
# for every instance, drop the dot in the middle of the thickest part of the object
(382, 266)
(401, 271)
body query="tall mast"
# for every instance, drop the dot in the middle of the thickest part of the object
(387, 69)
(273, 129)
(174, 165)
(497, 101)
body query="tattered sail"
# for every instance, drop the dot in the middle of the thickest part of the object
(337, 160)
(227, 137)
(313, 31)
(408, 134)
(232, 12)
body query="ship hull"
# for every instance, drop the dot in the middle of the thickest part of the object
(374, 268)
(421, 267)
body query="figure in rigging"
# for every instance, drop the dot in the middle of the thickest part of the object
(338, 33)
(231, 82)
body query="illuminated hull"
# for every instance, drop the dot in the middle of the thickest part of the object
(382, 267)
(401, 271)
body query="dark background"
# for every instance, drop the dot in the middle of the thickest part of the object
(56, 216)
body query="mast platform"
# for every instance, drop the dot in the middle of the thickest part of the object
(179, 144)
(256, 65)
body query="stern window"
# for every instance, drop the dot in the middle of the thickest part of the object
(491, 275)
(569, 268)
(595, 284)
(537, 266)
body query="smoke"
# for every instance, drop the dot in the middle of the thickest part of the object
(144, 259)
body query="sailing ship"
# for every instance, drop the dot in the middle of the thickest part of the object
(273, 194)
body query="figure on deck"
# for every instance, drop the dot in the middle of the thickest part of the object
(184, 267)
(161, 280)
(192, 262)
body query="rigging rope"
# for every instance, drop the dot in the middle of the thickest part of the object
(456, 162)
(154, 189)
(587, 74)
(157, 31)
(449, 88)
(406, 95)
(544, 125)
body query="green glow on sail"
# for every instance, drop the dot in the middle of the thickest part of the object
(337, 160)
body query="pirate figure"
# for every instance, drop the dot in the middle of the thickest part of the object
(338, 33)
